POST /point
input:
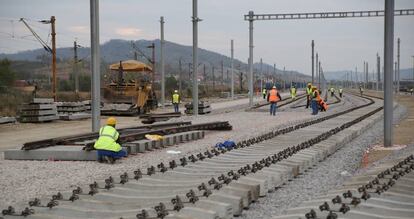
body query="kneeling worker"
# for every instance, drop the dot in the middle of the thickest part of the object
(107, 145)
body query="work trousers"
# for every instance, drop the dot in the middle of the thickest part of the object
(315, 108)
(176, 109)
(273, 107)
(307, 101)
(264, 96)
(340, 95)
(113, 154)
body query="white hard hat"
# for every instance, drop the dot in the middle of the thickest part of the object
(274, 87)
(176, 91)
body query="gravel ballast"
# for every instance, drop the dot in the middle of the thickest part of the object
(327, 175)
(22, 181)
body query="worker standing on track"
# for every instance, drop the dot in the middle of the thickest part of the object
(273, 97)
(308, 94)
(293, 92)
(361, 90)
(264, 93)
(332, 91)
(411, 91)
(107, 145)
(176, 101)
(340, 92)
(315, 100)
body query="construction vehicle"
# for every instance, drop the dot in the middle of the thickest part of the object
(130, 91)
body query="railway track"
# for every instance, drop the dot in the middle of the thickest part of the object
(223, 181)
(385, 191)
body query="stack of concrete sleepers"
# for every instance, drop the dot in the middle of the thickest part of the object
(5, 119)
(39, 110)
(72, 110)
(203, 108)
(87, 104)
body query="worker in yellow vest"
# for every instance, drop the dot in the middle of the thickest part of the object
(273, 97)
(316, 98)
(176, 101)
(107, 146)
(293, 92)
(340, 92)
(264, 92)
(308, 94)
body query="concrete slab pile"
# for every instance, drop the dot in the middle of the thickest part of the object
(38, 110)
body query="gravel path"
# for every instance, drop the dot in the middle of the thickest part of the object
(318, 181)
(24, 180)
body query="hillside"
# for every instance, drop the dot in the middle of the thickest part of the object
(115, 50)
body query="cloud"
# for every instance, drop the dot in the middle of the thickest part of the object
(128, 32)
(79, 29)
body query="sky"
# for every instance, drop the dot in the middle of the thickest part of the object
(342, 44)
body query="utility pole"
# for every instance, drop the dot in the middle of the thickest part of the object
(388, 60)
(317, 68)
(261, 74)
(319, 75)
(313, 68)
(95, 66)
(222, 72)
(54, 78)
(75, 67)
(152, 46)
(214, 79)
(195, 21)
(232, 68)
(365, 69)
(395, 76)
(378, 71)
(413, 67)
(366, 75)
(162, 62)
(398, 66)
(251, 58)
(180, 77)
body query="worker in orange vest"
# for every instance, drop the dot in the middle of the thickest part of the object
(273, 97)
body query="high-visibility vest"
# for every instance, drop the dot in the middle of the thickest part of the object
(293, 91)
(107, 139)
(309, 91)
(264, 91)
(332, 89)
(316, 95)
(176, 98)
(340, 90)
(273, 96)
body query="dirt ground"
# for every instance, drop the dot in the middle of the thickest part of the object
(403, 133)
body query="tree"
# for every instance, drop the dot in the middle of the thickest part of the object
(7, 76)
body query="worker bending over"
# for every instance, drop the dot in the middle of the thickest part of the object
(340, 92)
(293, 92)
(316, 98)
(273, 97)
(176, 101)
(308, 94)
(107, 145)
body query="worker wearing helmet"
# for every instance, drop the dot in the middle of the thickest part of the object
(176, 101)
(316, 98)
(308, 94)
(293, 92)
(107, 145)
(273, 97)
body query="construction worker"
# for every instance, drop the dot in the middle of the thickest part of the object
(107, 145)
(361, 90)
(273, 97)
(340, 92)
(176, 101)
(264, 92)
(308, 94)
(332, 91)
(293, 92)
(411, 91)
(316, 98)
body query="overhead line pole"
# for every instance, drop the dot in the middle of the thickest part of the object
(195, 21)
(54, 77)
(232, 68)
(75, 66)
(398, 65)
(162, 62)
(388, 61)
(313, 61)
(95, 65)
(251, 14)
